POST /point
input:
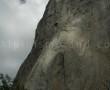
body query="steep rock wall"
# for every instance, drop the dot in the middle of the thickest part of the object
(71, 50)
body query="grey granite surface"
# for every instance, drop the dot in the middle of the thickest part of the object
(71, 49)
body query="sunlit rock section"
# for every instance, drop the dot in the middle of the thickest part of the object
(71, 49)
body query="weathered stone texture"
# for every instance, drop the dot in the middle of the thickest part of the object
(72, 48)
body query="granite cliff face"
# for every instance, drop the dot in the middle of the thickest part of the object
(71, 49)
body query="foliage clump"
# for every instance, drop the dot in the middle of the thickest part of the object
(5, 82)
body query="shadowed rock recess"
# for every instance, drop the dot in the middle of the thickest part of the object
(71, 49)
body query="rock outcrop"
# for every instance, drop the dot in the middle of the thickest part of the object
(71, 49)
